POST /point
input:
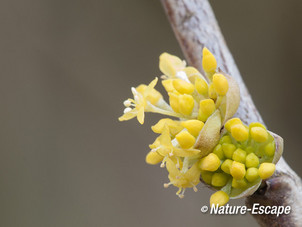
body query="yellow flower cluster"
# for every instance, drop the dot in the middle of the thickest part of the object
(188, 145)
(193, 100)
(242, 158)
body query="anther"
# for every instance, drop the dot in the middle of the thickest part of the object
(195, 188)
(127, 103)
(166, 185)
(127, 110)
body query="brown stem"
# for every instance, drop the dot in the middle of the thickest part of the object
(195, 26)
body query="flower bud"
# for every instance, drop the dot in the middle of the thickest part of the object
(219, 179)
(183, 87)
(186, 104)
(266, 170)
(201, 86)
(209, 63)
(251, 174)
(226, 166)
(210, 163)
(239, 155)
(185, 139)
(193, 126)
(251, 160)
(220, 84)
(237, 170)
(153, 158)
(259, 134)
(207, 107)
(219, 198)
(239, 132)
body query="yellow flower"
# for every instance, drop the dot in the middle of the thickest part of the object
(165, 147)
(140, 103)
(182, 180)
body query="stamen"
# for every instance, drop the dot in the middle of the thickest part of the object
(155, 149)
(195, 188)
(162, 165)
(177, 164)
(166, 185)
(127, 103)
(182, 194)
(134, 91)
(164, 77)
(127, 110)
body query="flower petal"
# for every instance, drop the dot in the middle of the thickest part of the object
(164, 138)
(150, 87)
(193, 174)
(141, 115)
(171, 167)
(185, 152)
(128, 116)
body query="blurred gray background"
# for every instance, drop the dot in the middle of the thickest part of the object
(66, 67)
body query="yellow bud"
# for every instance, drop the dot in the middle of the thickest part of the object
(219, 179)
(170, 64)
(209, 63)
(257, 124)
(218, 151)
(153, 97)
(259, 134)
(212, 92)
(237, 170)
(210, 163)
(173, 100)
(226, 166)
(228, 149)
(153, 158)
(183, 87)
(201, 86)
(239, 155)
(239, 183)
(230, 123)
(207, 176)
(186, 104)
(219, 198)
(168, 85)
(185, 139)
(252, 174)
(193, 126)
(174, 126)
(207, 107)
(251, 160)
(270, 149)
(225, 139)
(220, 84)
(266, 170)
(240, 132)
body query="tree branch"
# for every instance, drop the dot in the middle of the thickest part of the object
(195, 26)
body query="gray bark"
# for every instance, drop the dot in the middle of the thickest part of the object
(195, 26)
